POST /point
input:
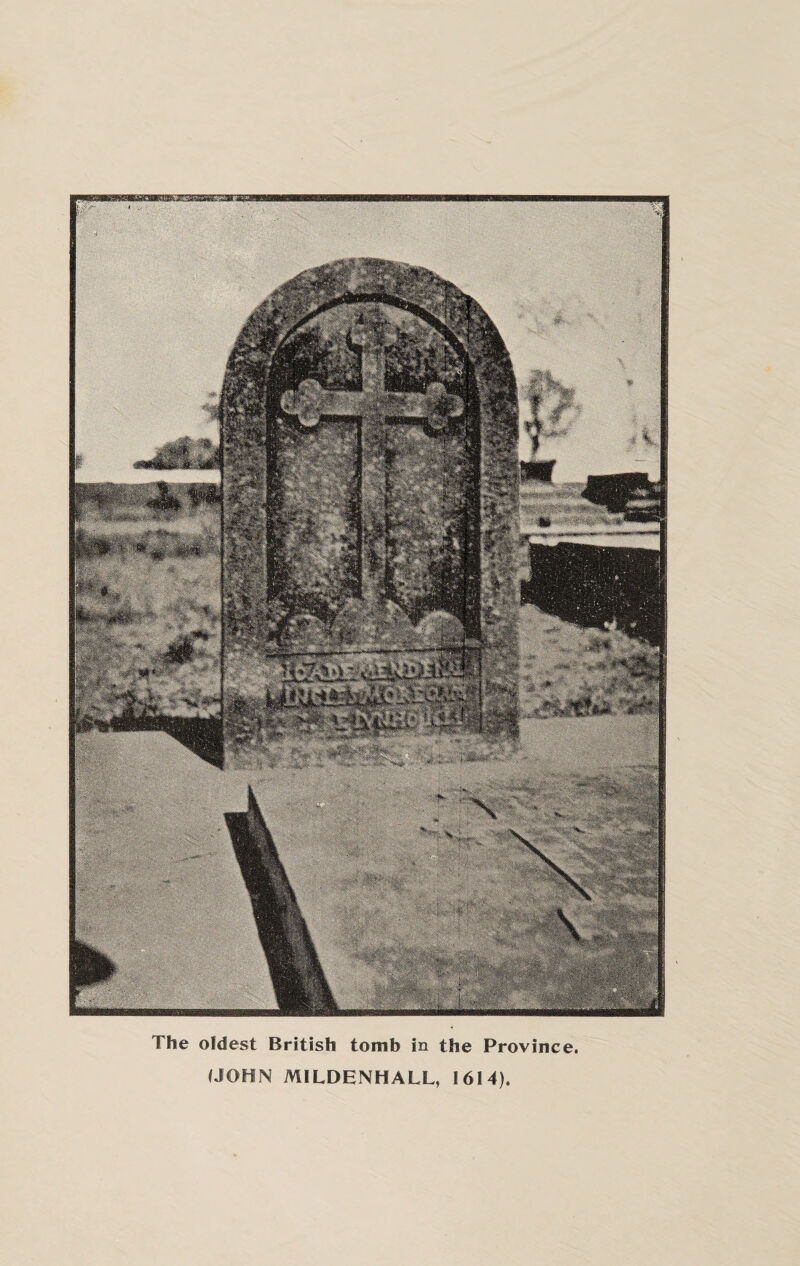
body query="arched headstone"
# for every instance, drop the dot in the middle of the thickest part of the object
(370, 523)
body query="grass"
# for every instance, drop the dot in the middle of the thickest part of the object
(570, 671)
(147, 644)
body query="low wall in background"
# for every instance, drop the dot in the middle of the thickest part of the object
(595, 585)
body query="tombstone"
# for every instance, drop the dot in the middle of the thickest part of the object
(370, 524)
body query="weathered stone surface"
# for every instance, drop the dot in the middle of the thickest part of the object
(370, 520)
(524, 884)
(157, 888)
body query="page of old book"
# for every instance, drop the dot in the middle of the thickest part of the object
(399, 629)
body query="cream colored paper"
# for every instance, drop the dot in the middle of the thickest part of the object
(665, 1141)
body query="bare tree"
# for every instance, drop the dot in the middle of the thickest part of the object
(553, 408)
(211, 408)
(546, 315)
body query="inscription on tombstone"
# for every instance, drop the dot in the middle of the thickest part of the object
(370, 523)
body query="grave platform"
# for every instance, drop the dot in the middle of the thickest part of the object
(453, 887)
(163, 917)
(529, 884)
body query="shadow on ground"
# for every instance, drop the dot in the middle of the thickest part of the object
(88, 966)
(201, 735)
(290, 988)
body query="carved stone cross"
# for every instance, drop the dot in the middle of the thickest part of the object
(375, 407)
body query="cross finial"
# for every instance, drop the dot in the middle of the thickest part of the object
(372, 331)
(441, 406)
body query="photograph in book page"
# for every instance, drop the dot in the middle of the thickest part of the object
(368, 599)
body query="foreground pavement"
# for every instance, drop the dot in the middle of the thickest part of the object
(529, 884)
(158, 890)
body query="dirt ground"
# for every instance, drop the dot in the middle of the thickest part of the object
(147, 630)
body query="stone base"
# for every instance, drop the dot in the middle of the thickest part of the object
(523, 885)
(411, 750)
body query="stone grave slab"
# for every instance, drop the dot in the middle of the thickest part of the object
(529, 884)
(158, 891)
(370, 489)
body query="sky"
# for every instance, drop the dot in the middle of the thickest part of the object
(163, 288)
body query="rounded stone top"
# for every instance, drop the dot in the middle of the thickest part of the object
(362, 279)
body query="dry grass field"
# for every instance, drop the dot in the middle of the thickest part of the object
(147, 626)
